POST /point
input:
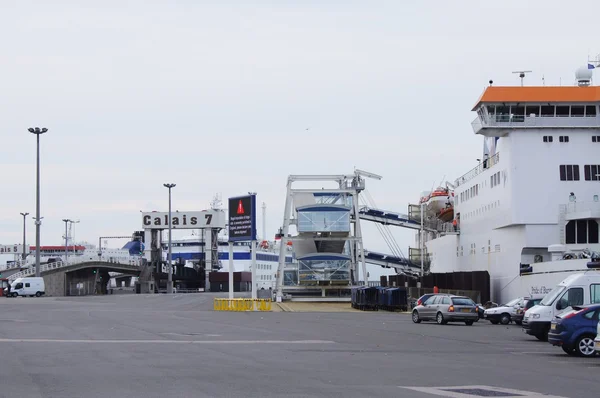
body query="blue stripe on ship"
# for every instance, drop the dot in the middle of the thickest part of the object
(236, 256)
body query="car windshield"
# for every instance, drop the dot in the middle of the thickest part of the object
(511, 303)
(550, 297)
(462, 301)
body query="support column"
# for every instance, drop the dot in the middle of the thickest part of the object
(230, 270)
(284, 240)
(207, 256)
(254, 281)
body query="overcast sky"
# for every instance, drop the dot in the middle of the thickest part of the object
(217, 98)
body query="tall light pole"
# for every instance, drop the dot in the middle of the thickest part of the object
(24, 240)
(170, 258)
(66, 221)
(38, 221)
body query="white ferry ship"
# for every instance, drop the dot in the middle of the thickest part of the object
(529, 212)
(192, 249)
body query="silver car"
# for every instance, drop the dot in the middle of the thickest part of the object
(446, 308)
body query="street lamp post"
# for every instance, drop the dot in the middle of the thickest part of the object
(24, 240)
(38, 221)
(66, 221)
(170, 258)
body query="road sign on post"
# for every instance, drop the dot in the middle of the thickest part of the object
(242, 218)
(242, 228)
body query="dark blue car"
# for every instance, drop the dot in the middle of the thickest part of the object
(574, 330)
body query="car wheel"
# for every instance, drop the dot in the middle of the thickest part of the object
(415, 317)
(468, 323)
(38, 294)
(505, 319)
(568, 349)
(440, 319)
(585, 346)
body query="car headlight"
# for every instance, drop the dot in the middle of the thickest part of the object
(535, 316)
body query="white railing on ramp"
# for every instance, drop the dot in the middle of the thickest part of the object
(134, 262)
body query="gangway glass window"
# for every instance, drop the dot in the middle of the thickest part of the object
(316, 268)
(595, 294)
(324, 219)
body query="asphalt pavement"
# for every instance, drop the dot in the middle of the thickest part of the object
(177, 346)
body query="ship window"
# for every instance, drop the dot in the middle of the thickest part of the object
(547, 110)
(517, 113)
(562, 111)
(491, 110)
(591, 172)
(569, 172)
(594, 138)
(582, 231)
(547, 138)
(532, 109)
(577, 110)
(592, 231)
(563, 138)
(502, 113)
(590, 110)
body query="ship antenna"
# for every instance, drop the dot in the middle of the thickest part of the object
(522, 74)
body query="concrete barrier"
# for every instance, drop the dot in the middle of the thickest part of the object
(242, 304)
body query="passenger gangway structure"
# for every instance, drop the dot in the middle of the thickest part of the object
(386, 217)
(400, 264)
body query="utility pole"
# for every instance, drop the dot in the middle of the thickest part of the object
(24, 236)
(38, 221)
(170, 258)
(66, 221)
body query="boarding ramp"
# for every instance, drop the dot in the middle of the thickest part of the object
(392, 218)
(129, 265)
(400, 264)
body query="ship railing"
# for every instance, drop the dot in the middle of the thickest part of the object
(578, 207)
(522, 121)
(475, 171)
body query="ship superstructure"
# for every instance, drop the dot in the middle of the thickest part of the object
(534, 196)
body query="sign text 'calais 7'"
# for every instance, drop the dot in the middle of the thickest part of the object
(184, 220)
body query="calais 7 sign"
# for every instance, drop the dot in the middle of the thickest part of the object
(184, 219)
(242, 218)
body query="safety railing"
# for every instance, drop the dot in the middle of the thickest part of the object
(242, 304)
(521, 121)
(483, 165)
(133, 263)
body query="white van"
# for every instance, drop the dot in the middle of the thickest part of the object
(576, 289)
(32, 286)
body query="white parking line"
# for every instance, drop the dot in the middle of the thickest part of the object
(225, 342)
(473, 391)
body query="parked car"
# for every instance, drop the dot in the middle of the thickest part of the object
(528, 302)
(574, 330)
(426, 297)
(504, 313)
(446, 308)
